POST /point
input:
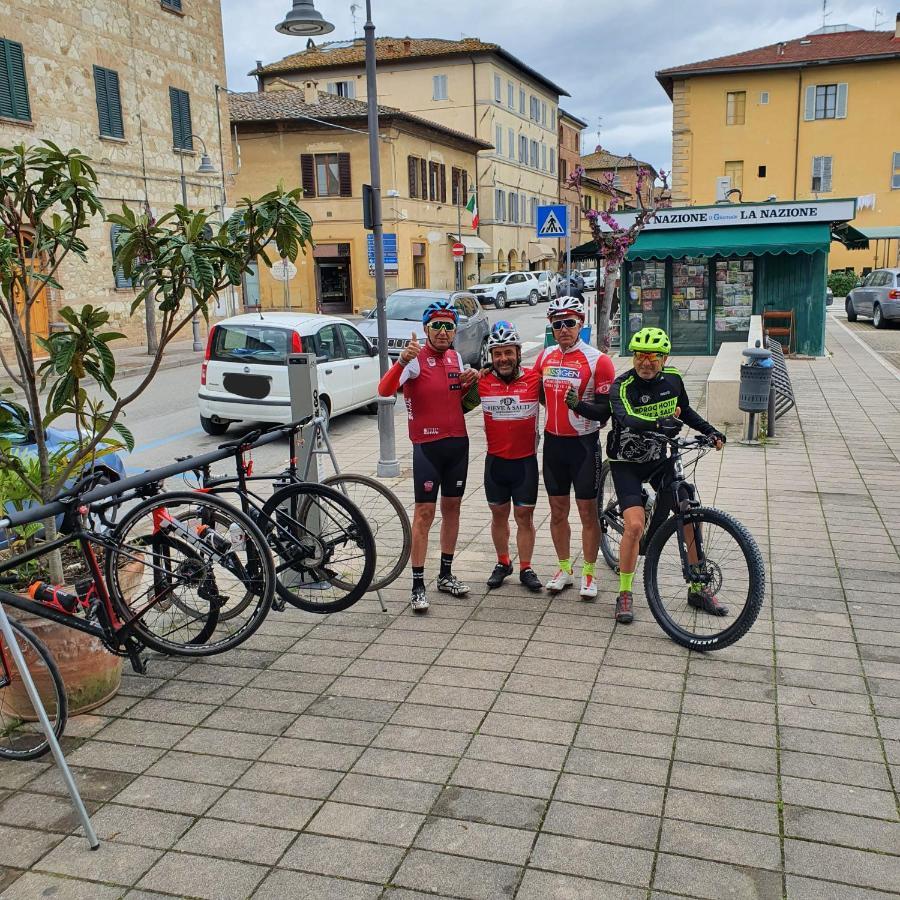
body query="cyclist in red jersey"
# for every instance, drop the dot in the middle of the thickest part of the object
(571, 442)
(509, 401)
(435, 389)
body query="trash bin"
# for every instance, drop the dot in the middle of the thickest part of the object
(756, 379)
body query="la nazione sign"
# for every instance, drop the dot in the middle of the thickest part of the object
(744, 214)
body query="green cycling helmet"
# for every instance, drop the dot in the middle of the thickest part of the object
(650, 340)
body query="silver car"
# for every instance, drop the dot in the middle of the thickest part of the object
(878, 298)
(404, 315)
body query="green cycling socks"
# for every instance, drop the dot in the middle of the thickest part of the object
(588, 569)
(565, 565)
(625, 581)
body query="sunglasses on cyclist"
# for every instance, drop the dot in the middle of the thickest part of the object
(442, 325)
(649, 357)
(559, 324)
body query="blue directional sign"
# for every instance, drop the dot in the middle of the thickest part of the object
(553, 221)
(391, 262)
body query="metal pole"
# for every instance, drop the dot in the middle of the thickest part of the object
(770, 414)
(388, 466)
(286, 289)
(195, 321)
(460, 261)
(568, 255)
(35, 698)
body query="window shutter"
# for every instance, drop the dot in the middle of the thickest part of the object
(464, 194)
(346, 187)
(13, 84)
(115, 104)
(841, 110)
(120, 280)
(102, 101)
(895, 172)
(411, 164)
(176, 117)
(308, 174)
(826, 173)
(809, 110)
(423, 170)
(187, 127)
(443, 177)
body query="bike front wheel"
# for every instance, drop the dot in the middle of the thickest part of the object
(189, 575)
(708, 548)
(323, 547)
(388, 520)
(21, 734)
(611, 525)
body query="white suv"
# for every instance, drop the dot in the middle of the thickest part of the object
(505, 288)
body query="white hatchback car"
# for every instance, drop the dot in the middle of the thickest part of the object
(245, 374)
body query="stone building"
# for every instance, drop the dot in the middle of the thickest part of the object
(320, 140)
(473, 87)
(136, 87)
(625, 172)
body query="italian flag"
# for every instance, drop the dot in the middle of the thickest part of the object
(472, 207)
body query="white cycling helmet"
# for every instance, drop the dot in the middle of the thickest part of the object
(504, 334)
(562, 305)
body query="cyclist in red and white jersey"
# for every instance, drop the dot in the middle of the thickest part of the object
(509, 401)
(435, 385)
(571, 442)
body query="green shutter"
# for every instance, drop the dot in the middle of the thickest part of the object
(102, 99)
(115, 104)
(121, 281)
(180, 105)
(13, 85)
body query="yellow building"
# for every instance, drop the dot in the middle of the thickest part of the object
(472, 87)
(136, 87)
(810, 118)
(319, 140)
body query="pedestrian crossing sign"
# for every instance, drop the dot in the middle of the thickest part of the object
(553, 221)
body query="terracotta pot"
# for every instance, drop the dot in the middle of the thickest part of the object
(92, 675)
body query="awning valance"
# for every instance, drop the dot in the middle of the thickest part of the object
(852, 238)
(537, 251)
(471, 242)
(732, 241)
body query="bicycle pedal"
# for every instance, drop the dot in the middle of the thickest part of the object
(138, 662)
(278, 604)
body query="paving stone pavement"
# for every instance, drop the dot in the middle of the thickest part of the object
(509, 745)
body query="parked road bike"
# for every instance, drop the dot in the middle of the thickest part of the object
(323, 543)
(694, 545)
(167, 576)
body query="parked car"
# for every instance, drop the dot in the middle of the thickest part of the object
(505, 288)
(877, 297)
(546, 284)
(244, 376)
(590, 279)
(404, 315)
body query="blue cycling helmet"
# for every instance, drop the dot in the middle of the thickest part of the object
(442, 308)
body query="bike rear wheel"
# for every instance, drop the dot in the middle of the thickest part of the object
(323, 547)
(611, 524)
(180, 582)
(21, 735)
(387, 519)
(729, 564)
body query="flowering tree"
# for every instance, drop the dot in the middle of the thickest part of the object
(613, 241)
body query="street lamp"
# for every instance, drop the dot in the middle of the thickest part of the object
(205, 168)
(304, 19)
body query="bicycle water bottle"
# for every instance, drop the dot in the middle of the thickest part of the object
(237, 536)
(56, 597)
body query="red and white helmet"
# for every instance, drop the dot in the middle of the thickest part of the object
(563, 305)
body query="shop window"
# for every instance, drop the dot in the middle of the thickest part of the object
(826, 101)
(647, 303)
(734, 169)
(690, 304)
(735, 107)
(895, 172)
(821, 174)
(734, 299)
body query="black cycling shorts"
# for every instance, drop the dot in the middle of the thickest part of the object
(511, 479)
(572, 461)
(630, 477)
(443, 465)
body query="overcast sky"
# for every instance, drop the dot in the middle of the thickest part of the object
(604, 54)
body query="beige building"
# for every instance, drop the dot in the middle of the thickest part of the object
(128, 84)
(569, 139)
(472, 87)
(319, 140)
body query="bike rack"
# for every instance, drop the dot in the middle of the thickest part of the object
(55, 749)
(781, 394)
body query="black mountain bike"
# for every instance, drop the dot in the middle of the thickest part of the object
(695, 545)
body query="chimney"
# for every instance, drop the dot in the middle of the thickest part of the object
(407, 45)
(897, 28)
(311, 93)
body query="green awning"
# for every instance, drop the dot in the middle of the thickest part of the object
(888, 233)
(740, 240)
(852, 238)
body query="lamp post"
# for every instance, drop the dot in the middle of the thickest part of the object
(304, 20)
(205, 168)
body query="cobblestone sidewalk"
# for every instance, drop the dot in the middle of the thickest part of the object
(510, 746)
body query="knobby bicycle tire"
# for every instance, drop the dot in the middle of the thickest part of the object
(744, 621)
(21, 735)
(394, 560)
(203, 631)
(610, 518)
(293, 554)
